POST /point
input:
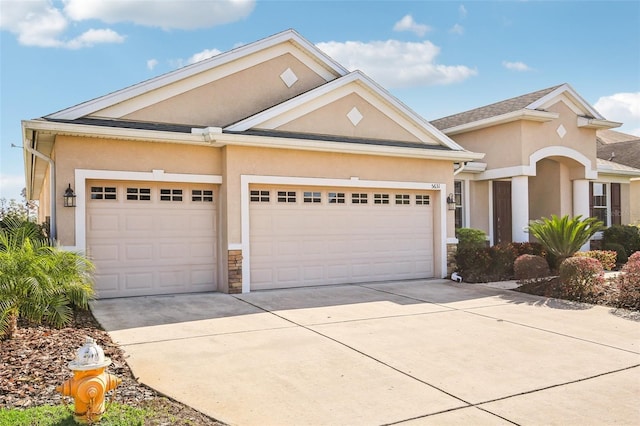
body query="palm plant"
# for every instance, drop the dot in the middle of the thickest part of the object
(563, 237)
(38, 281)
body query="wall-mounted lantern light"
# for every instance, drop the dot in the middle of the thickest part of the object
(69, 197)
(451, 202)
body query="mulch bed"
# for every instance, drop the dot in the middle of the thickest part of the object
(35, 361)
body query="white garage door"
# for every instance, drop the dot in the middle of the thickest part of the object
(310, 236)
(147, 238)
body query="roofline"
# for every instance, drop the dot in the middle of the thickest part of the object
(138, 89)
(603, 168)
(566, 87)
(522, 114)
(592, 123)
(355, 76)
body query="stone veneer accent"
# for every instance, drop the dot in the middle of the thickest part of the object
(451, 258)
(234, 263)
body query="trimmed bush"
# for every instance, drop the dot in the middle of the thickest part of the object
(581, 279)
(628, 236)
(473, 263)
(621, 253)
(530, 266)
(629, 284)
(529, 248)
(501, 266)
(606, 257)
(469, 237)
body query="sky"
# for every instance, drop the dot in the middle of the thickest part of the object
(436, 57)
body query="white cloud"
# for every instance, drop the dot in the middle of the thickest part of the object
(622, 107)
(394, 63)
(166, 14)
(196, 57)
(39, 23)
(516, 66)
(462, 11)
(457, 29)
(408, 24)
(151, 63)
(11, 186)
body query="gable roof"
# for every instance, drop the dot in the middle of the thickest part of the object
(329, 68)
(619, 148)
(530, 106)
(613, 168)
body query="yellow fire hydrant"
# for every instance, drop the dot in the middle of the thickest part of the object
(90, 382)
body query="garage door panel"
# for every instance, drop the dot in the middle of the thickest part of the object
(152, 246)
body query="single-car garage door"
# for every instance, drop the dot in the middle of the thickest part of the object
(310, 236)
(148, 238)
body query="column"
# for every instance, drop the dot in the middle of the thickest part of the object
(519, 208)
(581, 202)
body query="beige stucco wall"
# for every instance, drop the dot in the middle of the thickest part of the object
(479, 205)
(501, 143)
(332, 120)
(251, 90)
(71, 153)
(634, 196)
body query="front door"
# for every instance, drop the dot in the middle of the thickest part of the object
(501, 212)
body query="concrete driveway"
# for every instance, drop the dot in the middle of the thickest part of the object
(426, 352)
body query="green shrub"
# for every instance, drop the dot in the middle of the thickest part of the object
(530, 266)
(469, 237)
(628, 236)
(529, 248)
(629, 284)
(606, 257)
(581, 279)
(473, 263)
(621, 253)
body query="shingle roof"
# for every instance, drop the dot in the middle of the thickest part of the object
(627, 153)
(611, 136)
(127, 124)
(493, 110)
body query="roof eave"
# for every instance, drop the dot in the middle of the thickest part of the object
(522, 114)
(593, 123)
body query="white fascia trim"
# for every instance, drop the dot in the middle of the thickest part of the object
(325, 66)
(82, 175)
(523, 114)
(475, 167)
(530, 169)
(247, 180)
(592, 123)
(604, 170)
(344, 147)
(327, 93)
(565, 88)
(115, 132)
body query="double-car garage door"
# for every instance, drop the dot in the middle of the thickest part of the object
(305, 236)
(148, 238)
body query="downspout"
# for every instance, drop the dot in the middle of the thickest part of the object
(52, 183)
(461, 168)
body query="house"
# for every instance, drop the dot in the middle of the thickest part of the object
(273, 166)
(622, 149)
(540, 160)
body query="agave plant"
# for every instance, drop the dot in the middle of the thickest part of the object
(563, 237)
(39, 282)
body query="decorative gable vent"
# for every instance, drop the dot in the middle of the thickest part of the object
(354, 116)
(289, 77)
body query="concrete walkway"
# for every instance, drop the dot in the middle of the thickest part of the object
(427, 352)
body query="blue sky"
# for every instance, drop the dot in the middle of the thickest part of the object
(438, 58)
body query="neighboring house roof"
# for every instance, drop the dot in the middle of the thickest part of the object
(612, 168)
(530, 106)
(619, 148)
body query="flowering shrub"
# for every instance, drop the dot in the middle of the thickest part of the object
(581, 279)
(606, 257)
(629, 283)
(530, 266)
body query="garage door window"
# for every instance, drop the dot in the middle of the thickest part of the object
(336, 198)
(259, 196)
(403, 199)
(380, 198)
(202, 195)
(312, 197)
(422, 200)
(103, 192)
(139, 194)
(286, 196)
(171, 195)
(359, 198)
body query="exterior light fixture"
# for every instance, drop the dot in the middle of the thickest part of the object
(69, 197)
(451, 202)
